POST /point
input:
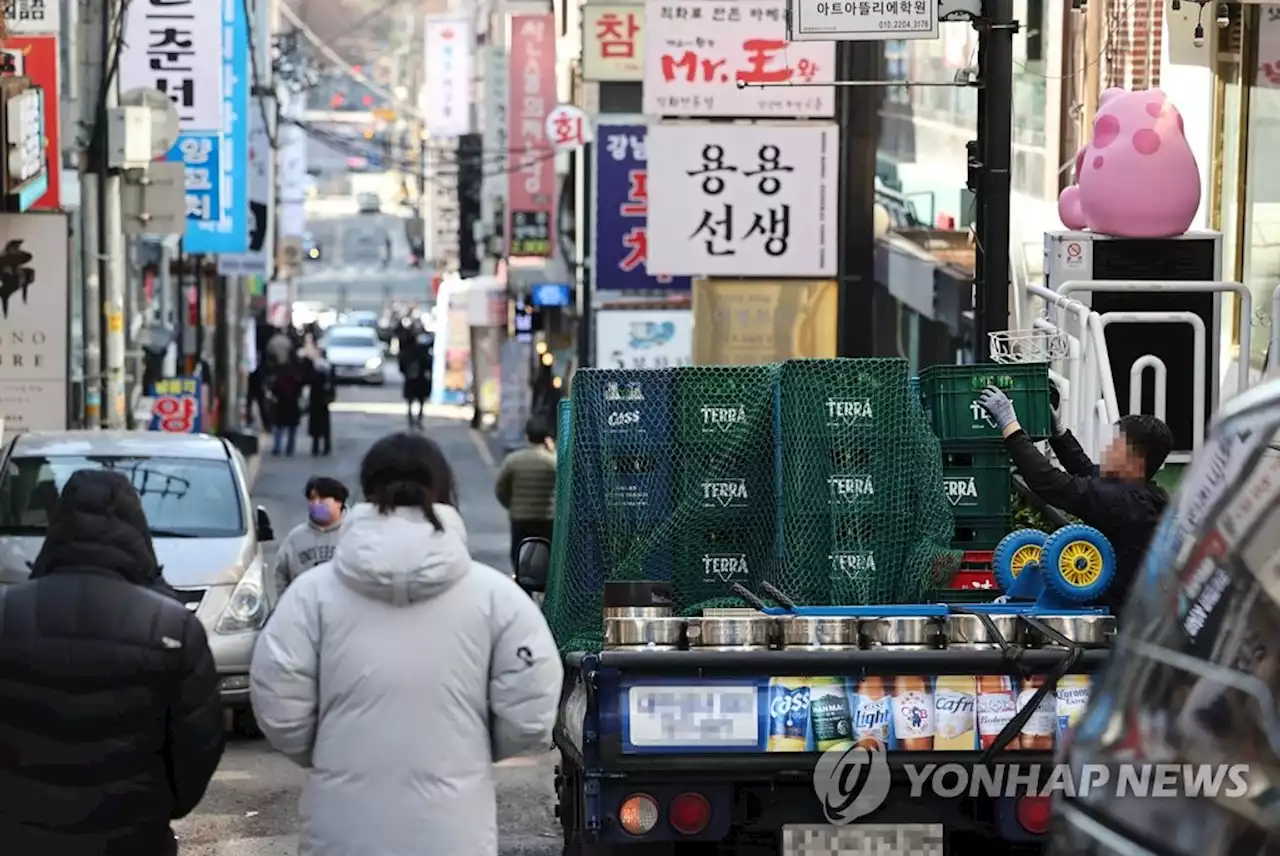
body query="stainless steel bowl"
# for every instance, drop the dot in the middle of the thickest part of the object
(925, 632)
(642, 632)
(965, 630)
(805, 631)
(726, 633)
(637, 612)
(1087, 631)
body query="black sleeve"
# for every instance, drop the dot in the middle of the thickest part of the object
(1085, 497)
(195, 738)
(1071, 456)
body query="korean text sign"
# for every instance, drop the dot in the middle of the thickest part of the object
(449, 54)
(697, 51)
(864, 20)
(613, 42)
(531, 88)
(176, 409)
(197, 53)
(622, 207)
(32, 17)
(40, 64)
(743, 200)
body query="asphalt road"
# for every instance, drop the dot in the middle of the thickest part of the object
(251, 806)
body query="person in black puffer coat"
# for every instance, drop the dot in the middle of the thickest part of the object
(110, 719)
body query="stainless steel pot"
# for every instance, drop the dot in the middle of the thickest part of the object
(661, 633)
(637, 612)
(725, 633)
(1087, 631)
(926, 632)
(805, 631)
(966, 630)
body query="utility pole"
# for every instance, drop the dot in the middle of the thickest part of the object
(1091, 60)
(112, 249)
(94, 40)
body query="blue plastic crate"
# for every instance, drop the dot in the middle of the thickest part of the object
(613, 487)
(598, 554)
(615, 407)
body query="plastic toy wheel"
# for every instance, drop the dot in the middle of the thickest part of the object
(1078, 563)
(1014, 553)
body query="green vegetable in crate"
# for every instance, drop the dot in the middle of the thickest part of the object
(1076, 563)
(1119, 499)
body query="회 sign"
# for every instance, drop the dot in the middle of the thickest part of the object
(568, 128)
(861, 20)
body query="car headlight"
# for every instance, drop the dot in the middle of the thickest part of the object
(373, 362)
(246, 609)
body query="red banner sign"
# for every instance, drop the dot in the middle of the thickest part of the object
(531, 87)
(36, 58)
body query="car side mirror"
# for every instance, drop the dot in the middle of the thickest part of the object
(533, 563)
(262, 523)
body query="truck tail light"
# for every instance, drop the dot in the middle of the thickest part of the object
(638, 814)
(689, 813)
(1034, 814)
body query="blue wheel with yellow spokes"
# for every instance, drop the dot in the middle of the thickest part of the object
(1078, 563)
(1015, 552)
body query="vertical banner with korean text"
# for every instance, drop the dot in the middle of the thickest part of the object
(36, 58)
(292, 163)
(743, 200)
(613, 42)
(496, 135)
(531, 85)
(254, 261)
(197, 53)
(697, 51)
(447, 91)
(622, 200)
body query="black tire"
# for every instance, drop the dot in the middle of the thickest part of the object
(244, 724)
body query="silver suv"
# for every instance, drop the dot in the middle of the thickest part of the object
(196, 498)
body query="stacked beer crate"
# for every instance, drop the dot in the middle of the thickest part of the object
(975, 466)
(845, 461)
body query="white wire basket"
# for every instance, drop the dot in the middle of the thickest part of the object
(1029, 346)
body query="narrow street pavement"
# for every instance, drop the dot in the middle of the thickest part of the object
(251, 806)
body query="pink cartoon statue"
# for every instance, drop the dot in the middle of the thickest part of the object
(1137, 177)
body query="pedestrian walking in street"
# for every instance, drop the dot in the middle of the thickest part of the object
(323, 390)
(526, 487)
(110, 717)
(311, 543)
(287, 388)
(416, 365)
(400, 671)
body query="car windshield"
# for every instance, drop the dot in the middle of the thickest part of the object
(1196, 673)
(182, 497)
(349, 341)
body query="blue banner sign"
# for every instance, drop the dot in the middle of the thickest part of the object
(622, 193)
(178, 406)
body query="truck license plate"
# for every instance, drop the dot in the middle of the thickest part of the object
(863, 839)
(690, 716)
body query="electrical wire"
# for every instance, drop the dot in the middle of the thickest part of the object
(259, 92)
(486, 157)
(115, 47)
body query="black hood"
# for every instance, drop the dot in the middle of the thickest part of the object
(98, 524)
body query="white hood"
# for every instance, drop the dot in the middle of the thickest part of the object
(400, 557)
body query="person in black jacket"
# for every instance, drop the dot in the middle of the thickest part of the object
(1118, 498)
(110, 718)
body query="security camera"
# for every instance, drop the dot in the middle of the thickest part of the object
(1224, 16)
(1197, 38)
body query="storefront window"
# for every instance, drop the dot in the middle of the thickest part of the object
(1262, 190)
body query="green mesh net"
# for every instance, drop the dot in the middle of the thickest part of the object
(821, 477)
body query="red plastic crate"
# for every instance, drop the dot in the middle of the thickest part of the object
(975, 571)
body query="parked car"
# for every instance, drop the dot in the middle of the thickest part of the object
(208, 538)
(368, 203)
(356, 354)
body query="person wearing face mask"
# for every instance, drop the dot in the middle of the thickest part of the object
(311, 543)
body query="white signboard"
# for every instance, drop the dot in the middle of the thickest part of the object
(494, 185)
(33, 322)
(644, 339)
(447, 101)
(261, 198)
(444, 212)
(33, 17)
(169, 47)
(862, 20)
(613, 42)
(742, 200)
(697, 51)
(292, 161)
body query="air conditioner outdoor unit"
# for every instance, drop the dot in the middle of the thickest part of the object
(1195, 256)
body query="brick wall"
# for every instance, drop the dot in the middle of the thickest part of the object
(1132, 41)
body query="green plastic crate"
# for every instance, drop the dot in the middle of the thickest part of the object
(724, 405)
(950, 396)
(727, 487)
(843, 399)
(977, 478)
(981, 533)
(858, 476)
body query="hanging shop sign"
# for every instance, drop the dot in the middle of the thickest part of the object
(644, 339)
(861, 20)
(36, 58)
(613, 43)
(621, 211)
(255, 261)
(698, 52)
(177, 406)
(742, 200)
(26, 175)
(752, 321)
(447, 92)
(568, 128)
(197, 53)
(34, 313)
(531, 88)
